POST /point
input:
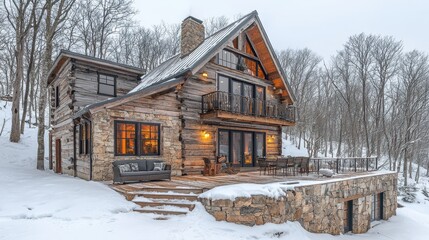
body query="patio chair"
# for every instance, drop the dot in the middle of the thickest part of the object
(266, 166)
(302, 165)
(282, 165)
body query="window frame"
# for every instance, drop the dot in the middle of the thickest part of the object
(114, 84)
(138, 148)
(57, 96)
(84, 138)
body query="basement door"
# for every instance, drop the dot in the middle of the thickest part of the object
(348, 216)
(58, 156)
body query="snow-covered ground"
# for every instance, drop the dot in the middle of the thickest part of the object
(43, 205)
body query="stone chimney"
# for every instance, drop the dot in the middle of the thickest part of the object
(192, 35)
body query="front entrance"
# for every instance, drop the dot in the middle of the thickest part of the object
(241, 147)
(58, 156)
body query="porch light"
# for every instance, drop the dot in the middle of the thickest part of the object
(204, 75)
(205, 134)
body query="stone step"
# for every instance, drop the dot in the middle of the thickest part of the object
(168, 196)
(189, 206)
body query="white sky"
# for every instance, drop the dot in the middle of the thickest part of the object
(321, 25)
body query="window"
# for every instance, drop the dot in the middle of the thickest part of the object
(106, 85)
(134, 138)
(84, 136)
(57, 96)
(247, 61)
(149, 139)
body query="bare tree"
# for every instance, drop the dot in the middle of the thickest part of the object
(56, 15)
(214, 24)
(19, 14)
(414, 76)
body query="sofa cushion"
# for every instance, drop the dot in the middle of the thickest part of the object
(142, 165)
(158, 166)
(134, 167)
(124, 168)
(150, 164)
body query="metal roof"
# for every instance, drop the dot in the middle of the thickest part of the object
(177, 65)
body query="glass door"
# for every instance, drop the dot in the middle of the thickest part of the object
(241, 148)
(224, 144)
(259, 101)
(236, 146)
(247, 99)
(248, 149)
(236, 96)
(260, 144)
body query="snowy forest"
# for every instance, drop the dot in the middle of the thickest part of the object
(371, 98)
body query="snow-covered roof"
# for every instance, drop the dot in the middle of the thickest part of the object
(178, 65)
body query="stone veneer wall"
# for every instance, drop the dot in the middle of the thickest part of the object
(103, 137)
(319, 208)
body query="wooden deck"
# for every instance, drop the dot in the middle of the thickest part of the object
(208, 182)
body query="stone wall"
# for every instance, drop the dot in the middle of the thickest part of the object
(319, 207)
(142, 110)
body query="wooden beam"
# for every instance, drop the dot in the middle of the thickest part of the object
(245, 118)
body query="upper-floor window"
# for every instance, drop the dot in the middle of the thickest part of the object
(57, 96)
(247, 61)
(106, 84)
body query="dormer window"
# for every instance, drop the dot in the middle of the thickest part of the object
(106, 85)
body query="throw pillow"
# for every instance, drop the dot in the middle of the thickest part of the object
(124, 168)
(158, 166)
(134, 167)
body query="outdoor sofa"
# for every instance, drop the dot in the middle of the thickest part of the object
(140, 170)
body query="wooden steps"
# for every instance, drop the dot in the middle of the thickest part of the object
(190, 206)
(161, 211)
(175, 190)
(168, 196)
(161, 200)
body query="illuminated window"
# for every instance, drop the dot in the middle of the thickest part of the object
(139, 139)
(149, 139)
(126, 139)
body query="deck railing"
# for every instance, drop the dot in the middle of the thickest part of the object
(239, 104)
(344, 165)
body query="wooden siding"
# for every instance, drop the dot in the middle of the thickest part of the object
(195, 146)
(77, 82)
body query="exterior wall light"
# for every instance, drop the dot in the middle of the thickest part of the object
(205, 134)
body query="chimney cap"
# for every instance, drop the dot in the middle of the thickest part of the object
(193, 18)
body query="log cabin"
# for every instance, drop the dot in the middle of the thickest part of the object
(222, 95)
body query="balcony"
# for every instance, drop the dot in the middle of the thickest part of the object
(233, 107)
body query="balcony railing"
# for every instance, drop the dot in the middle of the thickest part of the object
(238, 104)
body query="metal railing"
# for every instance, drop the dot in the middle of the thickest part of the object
(344, 165)
(239, 104)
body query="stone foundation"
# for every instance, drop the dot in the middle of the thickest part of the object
(318, 207)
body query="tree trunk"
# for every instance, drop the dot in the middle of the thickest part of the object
(42, 106)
